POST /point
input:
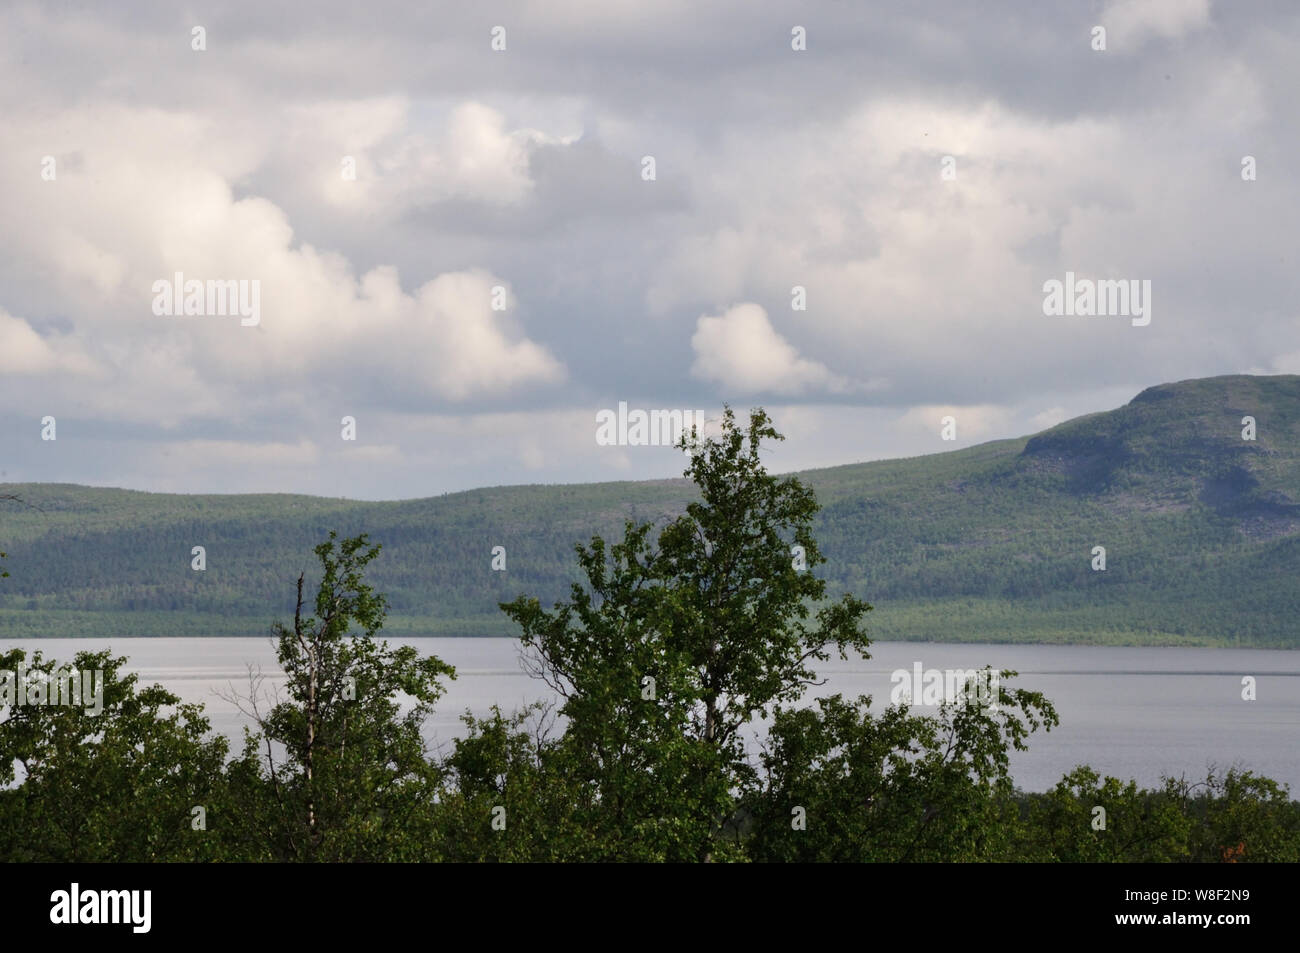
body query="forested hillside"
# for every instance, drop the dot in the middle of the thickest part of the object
(1201, 530)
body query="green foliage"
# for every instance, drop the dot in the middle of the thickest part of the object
(739, 605)
(649, 789)
(355, 768)
(670, 650)
(119, 785)
(508, 795)
(897, 787)
(1241, 817)
(1231, 817)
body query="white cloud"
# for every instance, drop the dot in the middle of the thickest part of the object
(23, 351)
(940, 281)
(741, 351)
(470, 154)
(154, 196)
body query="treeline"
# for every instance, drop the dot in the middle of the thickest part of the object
(1189, 579)
(665, 653)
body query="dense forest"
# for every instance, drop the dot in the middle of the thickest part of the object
(672, 640)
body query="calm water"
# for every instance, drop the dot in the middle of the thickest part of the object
(1128, 712)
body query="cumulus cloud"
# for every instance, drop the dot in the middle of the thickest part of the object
(912, 275)
(155, 197)
(476, 169)
(23, 351)
(370, 159)
(741, 351)
(456, 344)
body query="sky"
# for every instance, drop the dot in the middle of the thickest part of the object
(458, 243)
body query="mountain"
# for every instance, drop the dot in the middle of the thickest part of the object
(1201, 530)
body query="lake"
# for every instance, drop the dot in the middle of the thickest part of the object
(1129, 712)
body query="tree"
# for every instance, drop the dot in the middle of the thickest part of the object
(355, 782)
(897, 787)
(508, 797)
(1241, 817)
(116, 778)
(1230, 817)
(670, 650)
(637, 778)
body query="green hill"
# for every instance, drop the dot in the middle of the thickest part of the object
(991, 543)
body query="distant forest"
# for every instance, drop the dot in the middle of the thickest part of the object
(1200, 527)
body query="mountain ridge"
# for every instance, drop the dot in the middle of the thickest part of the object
(992, 542)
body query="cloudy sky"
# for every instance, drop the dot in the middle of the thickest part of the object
(127, 156)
